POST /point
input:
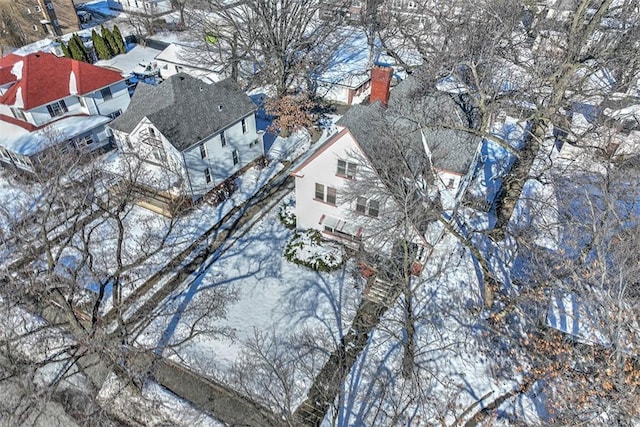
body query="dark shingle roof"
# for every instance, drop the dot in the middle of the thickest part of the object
(414, 110)
(185, 109)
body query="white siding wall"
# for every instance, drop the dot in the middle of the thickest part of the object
(322, 170)
(190, 165)
(119, 101)
(40, 116)
(95, 105)
(219, 159)
(4, 109)
(333, 92)
(145, 152)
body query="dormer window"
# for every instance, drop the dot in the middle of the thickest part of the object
(57, 108)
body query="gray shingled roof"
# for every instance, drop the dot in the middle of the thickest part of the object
(414, 110)
(185, 109)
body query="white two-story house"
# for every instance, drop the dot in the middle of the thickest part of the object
(409, 144)
(48, 102)
(189, 135)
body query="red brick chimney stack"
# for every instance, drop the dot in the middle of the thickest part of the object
(380, 84)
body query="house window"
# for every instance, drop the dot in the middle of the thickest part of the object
(115, 114)
(223, 139)
(35, 27)
(330, 196)
(368, 207)
(64, 148)
(106, 94)
(244, 126)
(207, 175)
(50, 6)
(236, 160)
(37, 8)
(451, 183)
(319, 192)
(18, 113)
(152, 132)
(82, 102)
(203, 152)
(159, 154)
(347, 169)
(85, 141)
(374, 208)
(57, 108)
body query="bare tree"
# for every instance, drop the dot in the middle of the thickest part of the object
(82, 248)
(538, 71)
(280, 42)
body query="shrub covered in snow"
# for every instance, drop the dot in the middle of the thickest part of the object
(287, 214)
(308, 249)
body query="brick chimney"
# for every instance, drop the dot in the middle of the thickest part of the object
(380, 83)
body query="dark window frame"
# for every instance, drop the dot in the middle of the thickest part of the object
(58, 108)
(106, 93)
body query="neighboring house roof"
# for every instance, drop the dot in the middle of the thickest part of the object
(9, 60)
(6, 68)
(185, 109)
(44, 78)
(127, 62)
(187, 56)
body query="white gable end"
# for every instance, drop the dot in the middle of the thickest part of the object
(322, 169)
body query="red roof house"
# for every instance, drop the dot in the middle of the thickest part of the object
(43, 78)
(46, 101)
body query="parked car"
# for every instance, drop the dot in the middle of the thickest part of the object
(84, 16)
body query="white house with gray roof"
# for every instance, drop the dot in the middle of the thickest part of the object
(429, 154)
(191, 135)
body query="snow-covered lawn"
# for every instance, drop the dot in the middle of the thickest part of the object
(274, 297)
(452, 368)
(153, 405)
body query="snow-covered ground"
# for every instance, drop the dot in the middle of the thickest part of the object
(153, 405)
(452, 369)
(274, 298)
